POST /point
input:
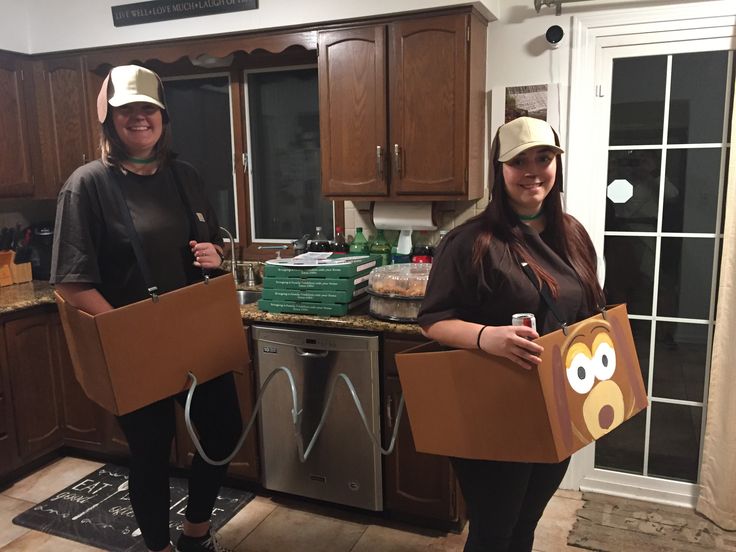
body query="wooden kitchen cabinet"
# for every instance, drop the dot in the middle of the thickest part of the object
(8, 446)
(64, 136)
(34, 385)
(16, 179)
(402, 109)
(416, 485)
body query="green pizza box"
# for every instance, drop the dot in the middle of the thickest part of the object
(312, 296)
(320, 309)
(337, 266)
(318, 284)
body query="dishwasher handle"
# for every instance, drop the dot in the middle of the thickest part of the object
(309, 354)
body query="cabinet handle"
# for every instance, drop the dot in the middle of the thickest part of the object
(379, 163)
(397, 160)
(84, 159)
(389, 414)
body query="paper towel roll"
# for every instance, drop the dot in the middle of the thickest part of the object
(403, 216)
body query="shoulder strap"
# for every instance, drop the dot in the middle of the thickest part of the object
(544, 292)
(198, 227)
(135, 240)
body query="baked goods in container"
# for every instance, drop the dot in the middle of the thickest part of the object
(397, 291)
(404, 280)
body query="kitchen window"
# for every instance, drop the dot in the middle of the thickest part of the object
(202, 134)
(282, 124)
(251, 128)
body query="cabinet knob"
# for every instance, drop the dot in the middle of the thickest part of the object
(397, 160)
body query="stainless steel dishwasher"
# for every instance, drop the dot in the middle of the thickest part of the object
(344, 466)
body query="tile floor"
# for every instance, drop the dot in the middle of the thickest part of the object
(273, 524)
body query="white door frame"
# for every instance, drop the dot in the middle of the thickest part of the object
(692, 27)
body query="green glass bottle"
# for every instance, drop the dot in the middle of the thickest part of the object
(359, 245)
(381, 247)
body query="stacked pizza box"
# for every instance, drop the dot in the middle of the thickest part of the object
(320, 284)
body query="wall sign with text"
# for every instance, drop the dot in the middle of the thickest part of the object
(165, 10)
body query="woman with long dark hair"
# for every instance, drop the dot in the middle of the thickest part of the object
(95, 269)
(477, 283)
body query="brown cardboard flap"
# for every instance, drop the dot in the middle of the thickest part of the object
(464, 403)
(142, 352)
(474, 405)
(85, 350)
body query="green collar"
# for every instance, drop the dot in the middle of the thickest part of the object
(531, 217)
(142, 161)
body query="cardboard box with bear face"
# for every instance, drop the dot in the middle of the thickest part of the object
(471, 404)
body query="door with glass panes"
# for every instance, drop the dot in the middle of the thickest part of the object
(667, 130)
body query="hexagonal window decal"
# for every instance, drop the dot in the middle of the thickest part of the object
(620, 191)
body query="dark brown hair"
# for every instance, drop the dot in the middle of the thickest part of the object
(114, 152)
(569, 239)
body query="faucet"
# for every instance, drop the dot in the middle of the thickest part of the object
(278, 248)
(232, 254)
(250, 276)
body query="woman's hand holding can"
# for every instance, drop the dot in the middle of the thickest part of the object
(513, 343)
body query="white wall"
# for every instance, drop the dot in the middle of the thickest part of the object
(14, 31)
(518, 54)
(71, 24)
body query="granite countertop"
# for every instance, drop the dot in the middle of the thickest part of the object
(24, 296)
(356, 320)
(32, 294)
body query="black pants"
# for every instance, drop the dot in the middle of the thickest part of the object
(505, 501)
(215, 414)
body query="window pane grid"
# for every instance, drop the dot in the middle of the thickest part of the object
(677, 245)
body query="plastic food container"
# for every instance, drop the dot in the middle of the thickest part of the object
(397, 291)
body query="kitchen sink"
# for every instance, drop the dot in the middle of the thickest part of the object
(246, 296)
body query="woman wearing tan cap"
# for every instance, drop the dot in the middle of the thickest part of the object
(478, 282)
(95, 267)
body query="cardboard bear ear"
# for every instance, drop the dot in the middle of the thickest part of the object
(559, 380)
(102, 100)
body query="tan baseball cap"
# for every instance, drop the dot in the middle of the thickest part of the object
(127, 84)
(523, 133)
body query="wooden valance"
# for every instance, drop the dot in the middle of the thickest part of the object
(99, 61)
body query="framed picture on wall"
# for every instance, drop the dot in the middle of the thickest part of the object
(533, 100)
(526, 101)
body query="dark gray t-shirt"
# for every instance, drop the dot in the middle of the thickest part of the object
(457, 289)
(91, 243)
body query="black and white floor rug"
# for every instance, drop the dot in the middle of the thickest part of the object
(96, 511)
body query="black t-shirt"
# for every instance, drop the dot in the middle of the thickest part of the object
(91, 243)
(458, 289)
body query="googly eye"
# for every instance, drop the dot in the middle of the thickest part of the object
(604, 361)
(581, 373)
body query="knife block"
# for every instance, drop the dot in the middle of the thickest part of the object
(11, 273)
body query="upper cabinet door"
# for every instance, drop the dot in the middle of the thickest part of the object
(429, 105)
(15, 169)
(64, 128)
(422, 136)
(353, 118)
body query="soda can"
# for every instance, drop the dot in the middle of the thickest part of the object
(524, 319)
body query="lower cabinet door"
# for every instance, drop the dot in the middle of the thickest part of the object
(8, 444)
(415, 484)
(34, 385)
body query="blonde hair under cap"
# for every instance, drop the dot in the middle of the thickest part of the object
(128, 84)
(523, 133)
